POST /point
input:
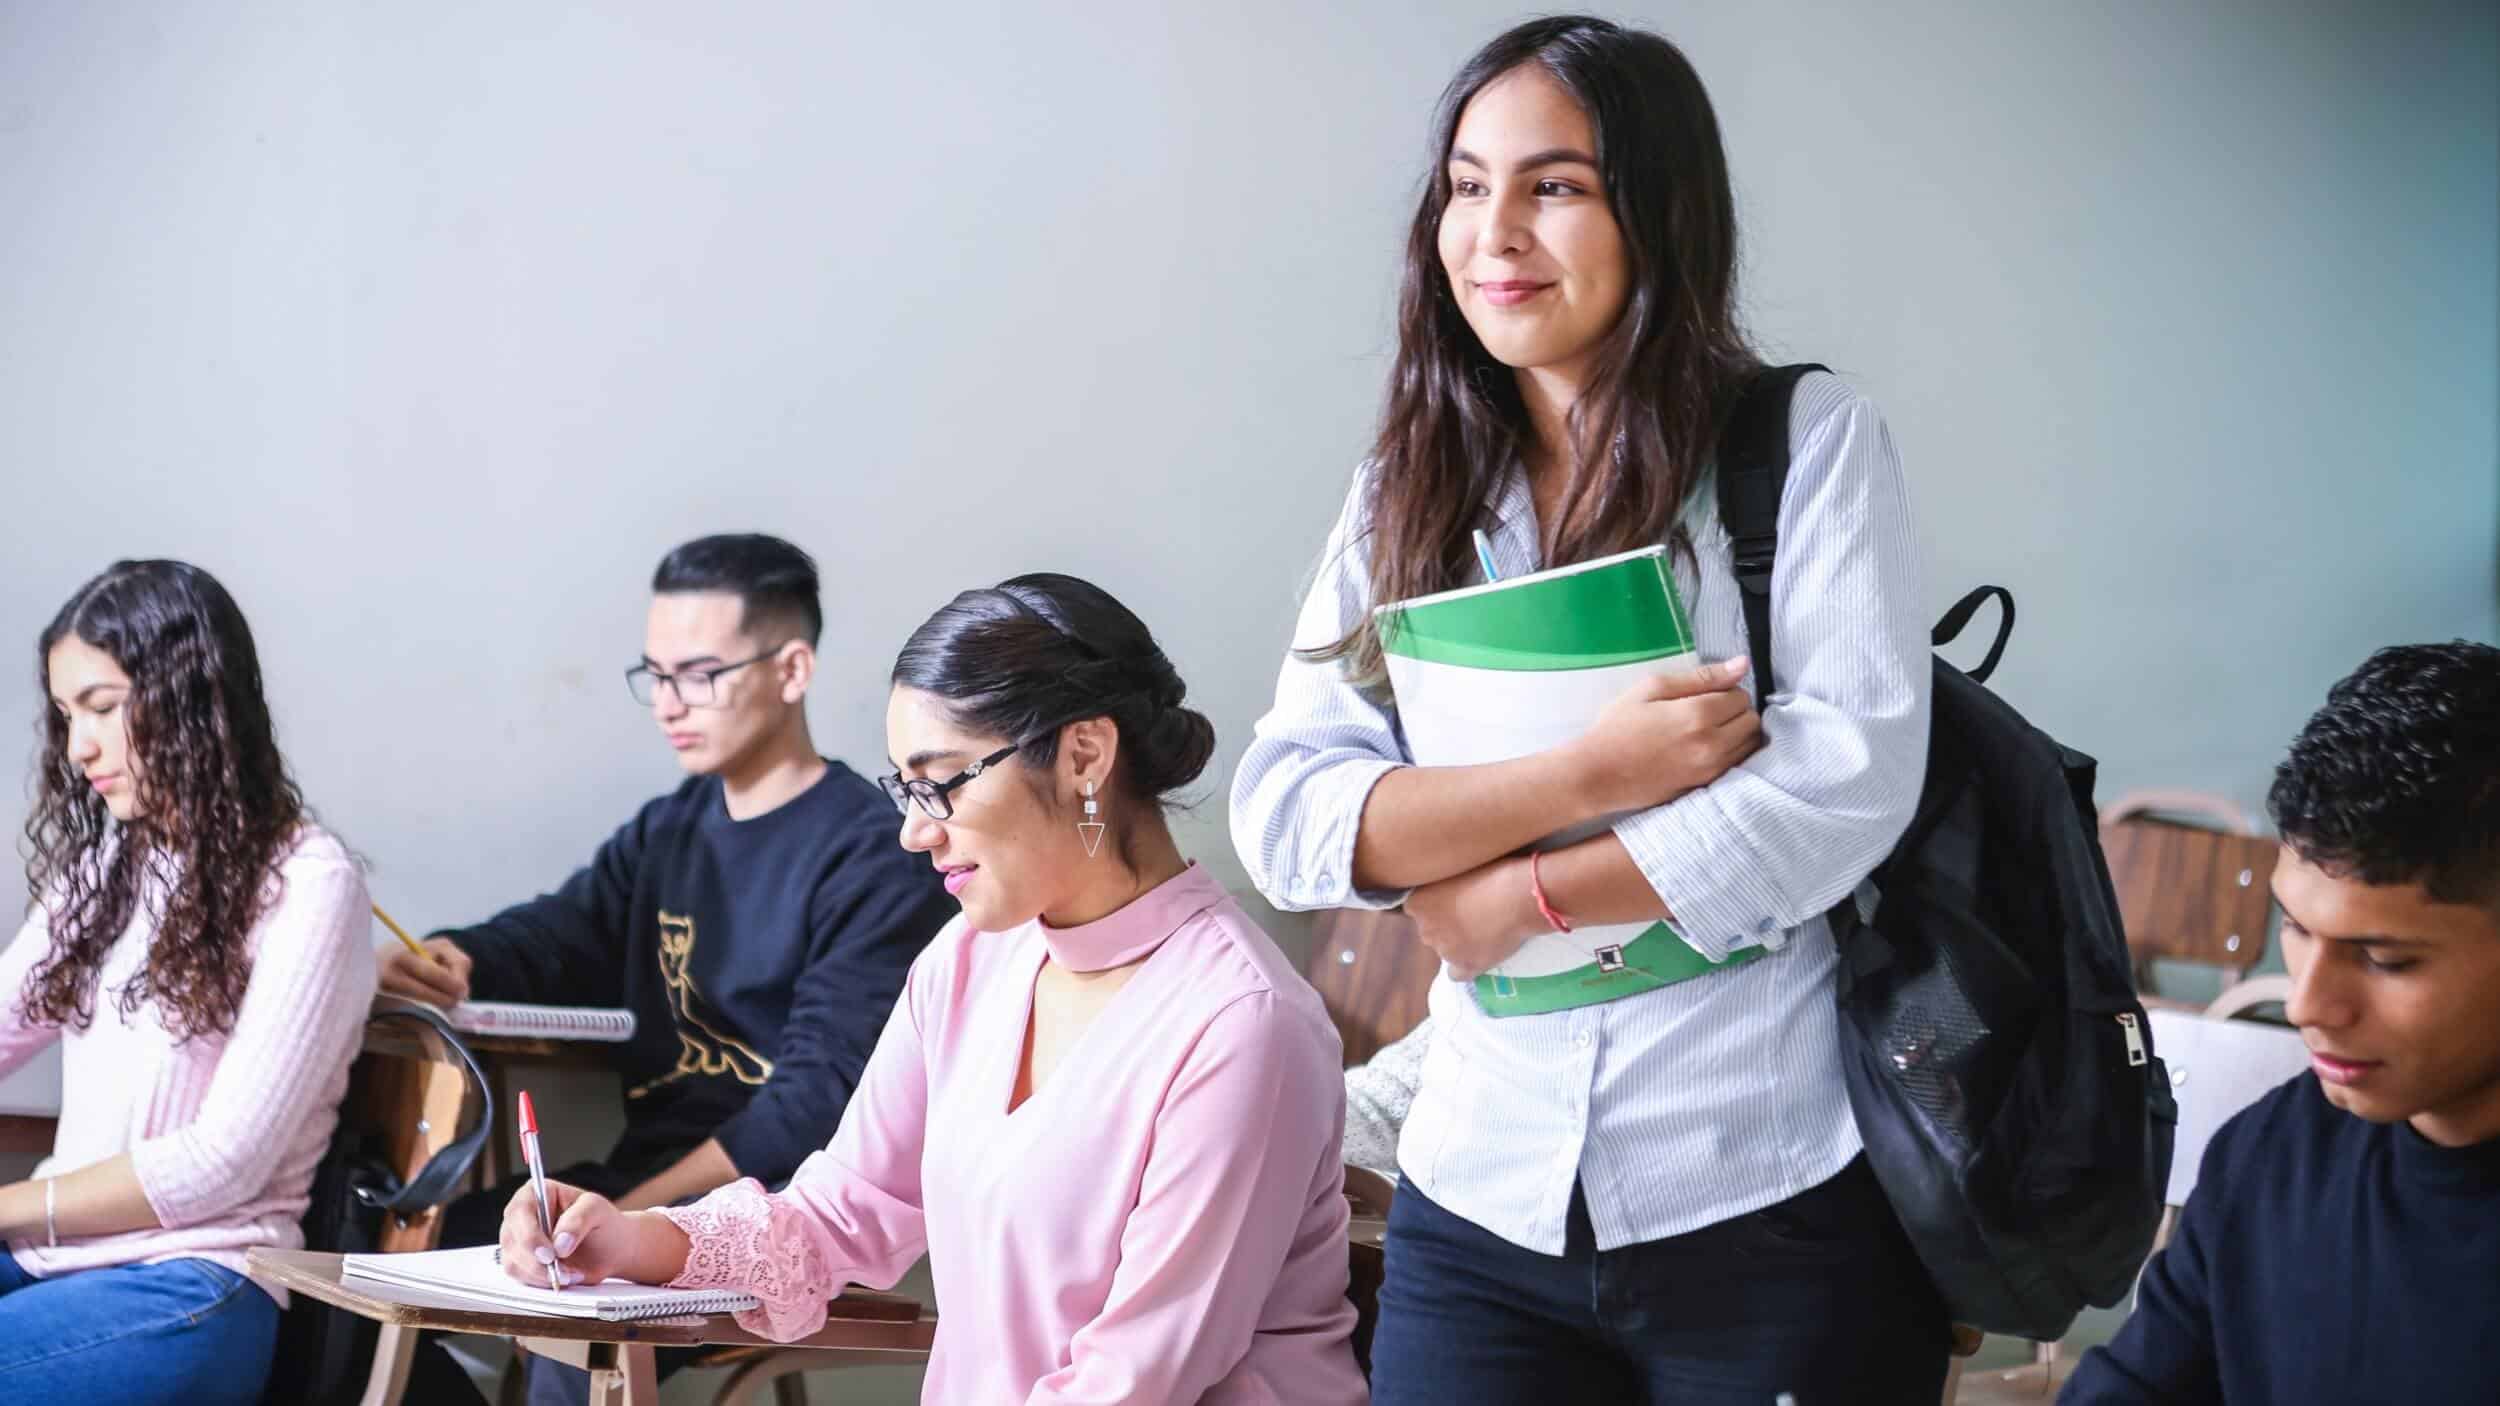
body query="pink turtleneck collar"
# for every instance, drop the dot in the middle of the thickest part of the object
(1130, 933)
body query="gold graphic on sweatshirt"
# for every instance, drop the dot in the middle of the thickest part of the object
(701, 1050)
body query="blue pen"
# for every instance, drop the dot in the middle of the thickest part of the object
(1484, 556)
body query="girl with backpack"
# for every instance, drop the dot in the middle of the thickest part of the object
(1661, 1197)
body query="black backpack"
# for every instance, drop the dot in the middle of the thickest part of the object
(324, 1354)
(1999, 1065)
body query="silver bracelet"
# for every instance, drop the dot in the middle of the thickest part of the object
(51, 1231)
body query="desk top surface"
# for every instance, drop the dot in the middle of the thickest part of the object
(857, 1321)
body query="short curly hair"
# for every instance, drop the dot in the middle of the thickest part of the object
(2397, 778)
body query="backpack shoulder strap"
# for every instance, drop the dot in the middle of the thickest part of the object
(1752, 472)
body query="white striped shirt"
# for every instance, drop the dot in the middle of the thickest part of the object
(1697, 1102)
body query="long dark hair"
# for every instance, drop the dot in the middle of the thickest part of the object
(1023, 659)
(1665, 376)
(218, 809)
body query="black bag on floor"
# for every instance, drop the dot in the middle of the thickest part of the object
(1999, 1065)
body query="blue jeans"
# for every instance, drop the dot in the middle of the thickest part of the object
(188, 1330)
(1819, 1296)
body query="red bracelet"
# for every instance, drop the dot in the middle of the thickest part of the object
(1536, 885)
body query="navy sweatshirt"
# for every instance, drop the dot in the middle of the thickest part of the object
(760, 958)
(2321, 1258)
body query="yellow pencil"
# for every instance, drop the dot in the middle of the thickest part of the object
(402, 934)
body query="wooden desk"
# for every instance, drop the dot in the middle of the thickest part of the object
(860, 1327)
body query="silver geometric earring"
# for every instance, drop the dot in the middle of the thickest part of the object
(1090, 827)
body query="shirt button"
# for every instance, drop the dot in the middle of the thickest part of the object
(1582, 1039)
(1763, 926)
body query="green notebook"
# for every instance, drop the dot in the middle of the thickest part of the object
(1487, 673)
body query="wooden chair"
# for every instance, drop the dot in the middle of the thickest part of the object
(26, 1134)
(1374, 977)
(1372, 973)
(2188, 893)
(411, 1092)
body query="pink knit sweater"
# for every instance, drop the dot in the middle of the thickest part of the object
(225, 1131)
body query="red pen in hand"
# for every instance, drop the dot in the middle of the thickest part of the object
(538, 1182)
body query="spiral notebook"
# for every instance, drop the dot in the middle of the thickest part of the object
(477, 1275)
(545, 1022)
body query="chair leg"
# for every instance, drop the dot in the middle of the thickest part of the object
(513, 1387)
(790, 1390)
(394, 1352)
(1953, 1381)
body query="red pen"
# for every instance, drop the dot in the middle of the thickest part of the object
(538, 1181)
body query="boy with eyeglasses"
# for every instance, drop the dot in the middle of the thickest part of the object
(758, 920)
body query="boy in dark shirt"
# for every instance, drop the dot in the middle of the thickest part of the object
(2343, 1241)
(758, 920)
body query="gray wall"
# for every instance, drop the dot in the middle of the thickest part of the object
(428, 327)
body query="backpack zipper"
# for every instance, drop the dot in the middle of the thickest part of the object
(2135, 1039)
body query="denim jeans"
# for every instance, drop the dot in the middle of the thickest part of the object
(1819, 1296)
(187, 1330)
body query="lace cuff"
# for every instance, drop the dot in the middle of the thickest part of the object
(742, 1238)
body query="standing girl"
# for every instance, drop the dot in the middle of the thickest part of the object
(1659, 1198)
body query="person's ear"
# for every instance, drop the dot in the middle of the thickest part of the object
(1087, 750)
(796, 664)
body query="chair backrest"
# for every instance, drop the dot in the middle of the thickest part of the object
(2188, 893)
(1373, 974)
(411, 1094)
(2217, 1068)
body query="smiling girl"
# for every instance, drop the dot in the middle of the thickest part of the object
(1107, 1108)
(1659, 1198)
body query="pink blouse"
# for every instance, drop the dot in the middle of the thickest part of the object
(1160, 1222)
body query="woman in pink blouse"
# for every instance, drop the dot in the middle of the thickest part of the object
(200, 951)
(1106, 1108)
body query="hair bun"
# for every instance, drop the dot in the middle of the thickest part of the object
(1173, 748)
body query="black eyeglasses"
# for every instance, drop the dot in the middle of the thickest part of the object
(694, 687)
(936, 798)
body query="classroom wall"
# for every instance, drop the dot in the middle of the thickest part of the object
(429, 327)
